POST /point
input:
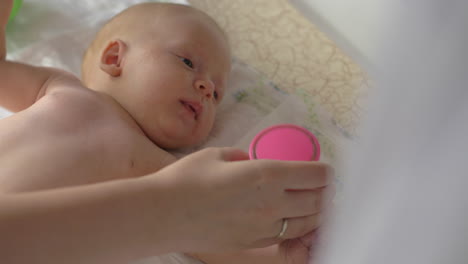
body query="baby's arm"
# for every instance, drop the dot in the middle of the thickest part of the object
(20, 84)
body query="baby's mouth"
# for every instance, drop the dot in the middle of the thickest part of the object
(194, 107)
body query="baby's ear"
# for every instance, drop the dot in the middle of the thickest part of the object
(112, 56)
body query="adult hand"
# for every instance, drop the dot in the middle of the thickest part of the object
(217, 199)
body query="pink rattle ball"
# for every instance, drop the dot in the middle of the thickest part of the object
(285, 142)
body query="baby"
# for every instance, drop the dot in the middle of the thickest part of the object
(156, 74)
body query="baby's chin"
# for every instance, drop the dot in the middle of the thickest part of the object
(172, 135)
(179, 143)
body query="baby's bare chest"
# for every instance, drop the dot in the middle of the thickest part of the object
(47, 148)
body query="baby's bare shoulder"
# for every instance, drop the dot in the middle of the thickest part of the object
(66, 88)
(66, 97)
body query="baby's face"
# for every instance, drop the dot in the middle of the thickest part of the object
(175, 80)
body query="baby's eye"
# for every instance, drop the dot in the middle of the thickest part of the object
(187, 62)
(215, 95)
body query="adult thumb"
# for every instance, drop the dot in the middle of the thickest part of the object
(234, 154)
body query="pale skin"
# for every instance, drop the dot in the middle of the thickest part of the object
(87, 159)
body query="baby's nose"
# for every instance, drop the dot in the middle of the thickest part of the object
(206, 87)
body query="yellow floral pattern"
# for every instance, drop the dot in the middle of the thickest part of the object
(277, 40)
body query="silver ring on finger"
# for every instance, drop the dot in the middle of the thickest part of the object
(284, 227)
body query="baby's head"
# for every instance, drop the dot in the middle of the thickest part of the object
(167, 65)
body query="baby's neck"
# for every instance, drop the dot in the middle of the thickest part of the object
(155, 152)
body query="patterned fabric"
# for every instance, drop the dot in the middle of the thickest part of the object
(274, 38)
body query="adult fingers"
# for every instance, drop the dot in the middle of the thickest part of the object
(301, 175)
(301, 203)
(298, 226)
(311, 175)
(287, 175)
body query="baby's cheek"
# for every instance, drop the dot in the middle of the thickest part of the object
(203, 133)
